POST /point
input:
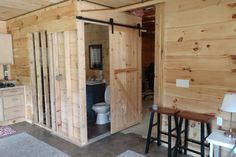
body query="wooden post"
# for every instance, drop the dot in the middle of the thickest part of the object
(52, 82)
(159, 53)
(68, 83)
(57, 83)
(82, 83)
(39, 76)
(31, 48)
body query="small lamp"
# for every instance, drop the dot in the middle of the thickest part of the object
(229, 105)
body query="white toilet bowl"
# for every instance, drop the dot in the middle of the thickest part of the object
(103, 109)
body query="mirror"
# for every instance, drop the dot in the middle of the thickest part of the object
(95, 57)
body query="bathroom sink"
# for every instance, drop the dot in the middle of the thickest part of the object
(94, 82)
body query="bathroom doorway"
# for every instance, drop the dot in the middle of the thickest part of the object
(97, 79)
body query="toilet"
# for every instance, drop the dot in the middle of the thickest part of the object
(103, 108)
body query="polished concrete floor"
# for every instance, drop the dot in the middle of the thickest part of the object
(110, 146)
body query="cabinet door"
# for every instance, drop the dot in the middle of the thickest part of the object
(1, 110)
(6, 55)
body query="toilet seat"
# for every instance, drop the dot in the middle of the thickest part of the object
(101, 106)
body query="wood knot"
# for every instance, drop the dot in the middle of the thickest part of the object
(192, 80)
(175, 100)
(202, 30)
(234, 16)
(196, 49)
(36, 17)
(196, 43)
(58, 17)
(208, 46)
(233, 70)
(233, 57)
(231, 5)
(187, 69)
(180, 39)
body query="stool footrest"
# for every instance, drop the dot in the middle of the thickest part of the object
(197, 142)
(165, 133)
(191, 150)
(155, 124)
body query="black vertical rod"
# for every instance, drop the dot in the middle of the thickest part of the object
(169, 136)
(186, 136)
(208, 129)
(202, 140)
(176, 126)
(158, 129)
(178, 138)
(112, 25)
(149, 132)
(139, 29)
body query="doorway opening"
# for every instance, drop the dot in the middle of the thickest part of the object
(97, 79)
(148, 57)
(148, 15)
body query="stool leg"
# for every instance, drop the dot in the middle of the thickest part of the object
(178, 138)
(186, 136)
(202, 140)
(208, 129)
(149, 132)
(169, 136)
(176, 128)
(158, 129)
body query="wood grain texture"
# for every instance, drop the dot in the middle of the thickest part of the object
(12, 8)
(3, 27)
(125, 85)
(200, 47)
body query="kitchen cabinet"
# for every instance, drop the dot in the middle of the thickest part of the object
(12, 105)
(6, 53)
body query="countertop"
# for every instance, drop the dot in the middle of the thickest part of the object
(9, 88)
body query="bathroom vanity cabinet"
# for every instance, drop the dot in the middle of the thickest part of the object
(12, 105)
(95, 94)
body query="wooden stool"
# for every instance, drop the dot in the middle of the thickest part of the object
(204, 119)
(170, 113)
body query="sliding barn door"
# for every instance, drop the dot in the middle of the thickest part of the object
(125, 56)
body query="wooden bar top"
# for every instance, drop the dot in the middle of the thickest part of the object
(199, 117)
(165, 110)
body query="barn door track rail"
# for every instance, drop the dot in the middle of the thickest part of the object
(112, 23)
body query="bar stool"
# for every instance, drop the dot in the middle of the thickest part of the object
(204, 119)
(170, 113)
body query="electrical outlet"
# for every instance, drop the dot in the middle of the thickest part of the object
(219, 121)
(182, 83)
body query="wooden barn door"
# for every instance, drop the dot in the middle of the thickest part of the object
(125, 64)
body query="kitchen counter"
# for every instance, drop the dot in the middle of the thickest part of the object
(9, 88)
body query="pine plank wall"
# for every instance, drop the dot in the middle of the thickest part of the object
(200, 39)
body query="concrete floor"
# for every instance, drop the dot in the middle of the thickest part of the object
(110, 146)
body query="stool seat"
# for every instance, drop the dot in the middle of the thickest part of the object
(199, 117)
(165, 110)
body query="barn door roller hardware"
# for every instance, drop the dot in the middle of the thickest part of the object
(112, 23)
